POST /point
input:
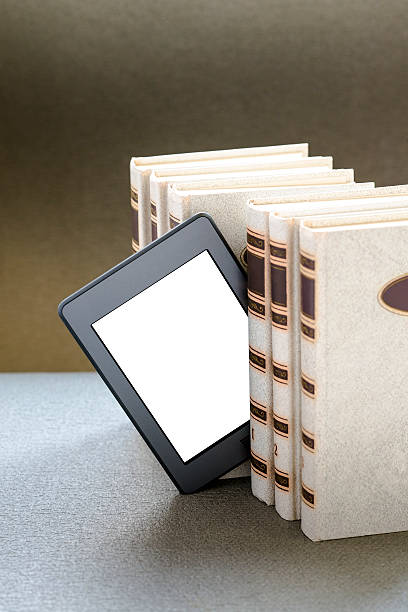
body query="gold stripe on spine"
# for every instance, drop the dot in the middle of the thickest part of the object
(173, 221)
(153, 211)
(308, 386)
(280, 425)
(257, 360)
(308, 293)
(255, 242)
(259, 466)
(279, 263)
(135, 246)
(307, 261)
(308, 496)
(282, 480)
(134, 197)
(255, 248)
(280, 372)
(258, 411)
(308, 440)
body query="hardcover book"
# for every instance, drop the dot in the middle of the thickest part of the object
(227, 205)
(354, 292)
(284, 219)
(218, 170)
(141, 168)
(267, 422)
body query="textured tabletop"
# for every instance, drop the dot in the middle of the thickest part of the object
(89, 521)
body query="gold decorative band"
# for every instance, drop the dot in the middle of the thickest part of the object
(280, 372)
(308, 441)
(258, 411)
(259, 466)
(308, 496)
(256, 304)
(278, 251)
(308, 386)
(255, 241)
(307, 261)
(257, 360)
(280, 425)
(282, 480)
(134, 195)
(135, 245)
(279, 319)
(307, 330)
(153, 210)
(173, 221)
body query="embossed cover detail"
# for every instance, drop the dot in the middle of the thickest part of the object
(308, 386)
(153, 219)
(259, 466)
(279, 292)
(173, 221)
(258, 411)
(394, 295)
(280, 425)
(308, 440)
(308, 496)
(282, 480)
(307, 296)
(255, 263)
(134, 202)
(257, 360)
(280, 372)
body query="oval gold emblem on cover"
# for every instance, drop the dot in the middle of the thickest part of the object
(394, 295)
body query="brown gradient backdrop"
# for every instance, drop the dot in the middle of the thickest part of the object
(86, 84)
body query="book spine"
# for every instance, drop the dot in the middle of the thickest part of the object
(134, 204)
(260, 358)
(178, 207)
(163, 209)
(140, 197)
(286, 419)
(308, 379)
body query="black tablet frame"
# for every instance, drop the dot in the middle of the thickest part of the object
(121, 283)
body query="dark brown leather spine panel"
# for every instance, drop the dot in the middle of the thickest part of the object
(280, 426)
(255, 263)
(394, 296)
(308, 496)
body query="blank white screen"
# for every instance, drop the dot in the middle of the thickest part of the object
(183, 345)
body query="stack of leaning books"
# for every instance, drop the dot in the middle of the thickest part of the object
(327, 268)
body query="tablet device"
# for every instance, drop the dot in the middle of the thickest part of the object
(167, 331)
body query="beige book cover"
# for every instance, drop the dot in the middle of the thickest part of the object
(354, 292)
(141, 168)
(267, 421)
(284, 219)
(218, 170)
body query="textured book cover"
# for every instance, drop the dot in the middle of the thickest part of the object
(141, 168)
(354, 293)
(284, 219)
(271, 434)
(218, 170)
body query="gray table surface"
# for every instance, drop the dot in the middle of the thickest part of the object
(89, 521)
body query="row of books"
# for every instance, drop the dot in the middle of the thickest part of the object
(327, 302)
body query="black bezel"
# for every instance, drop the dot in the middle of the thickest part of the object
(120, 284)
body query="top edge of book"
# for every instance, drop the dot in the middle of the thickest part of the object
(243, 164)
(323, 196)
(365, 224)
(154, 160)
(264, 180)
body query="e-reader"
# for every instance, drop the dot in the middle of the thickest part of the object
(167, 330)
